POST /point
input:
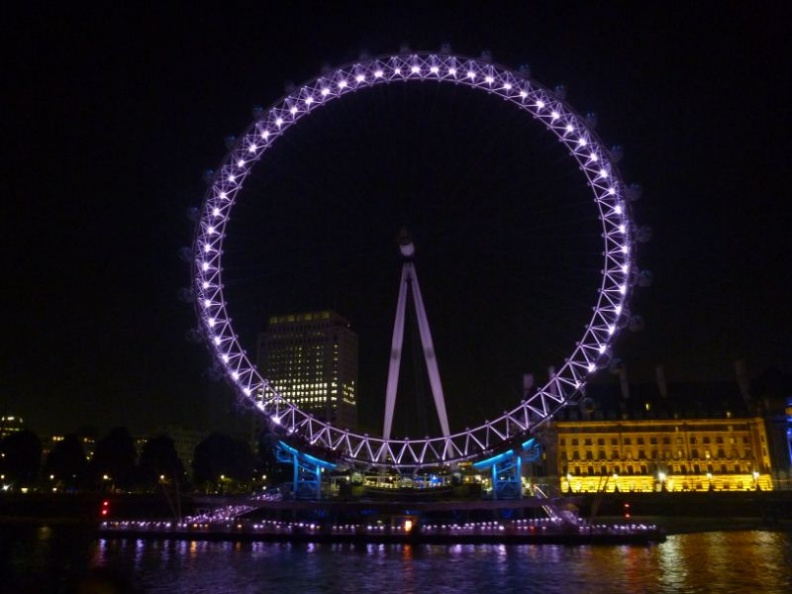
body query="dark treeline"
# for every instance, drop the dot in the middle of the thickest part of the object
(219, 463)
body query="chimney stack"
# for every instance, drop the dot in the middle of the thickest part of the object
(661, 381)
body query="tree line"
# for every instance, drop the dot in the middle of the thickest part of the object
(220, 463)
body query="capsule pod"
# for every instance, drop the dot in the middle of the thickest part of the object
(645, 278)
(636, 323)
(644, 233)
(633, 192)
(560, 92)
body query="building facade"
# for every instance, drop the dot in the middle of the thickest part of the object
(311, 359)
(653, 443)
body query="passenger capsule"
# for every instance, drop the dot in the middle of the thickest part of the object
(633, 192)
(560, 92)
(643, 233)
(645, 278)
(636, 323)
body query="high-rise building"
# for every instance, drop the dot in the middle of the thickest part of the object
(311, 359)
(10, 424)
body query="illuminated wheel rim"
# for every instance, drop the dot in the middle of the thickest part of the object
(591, 352)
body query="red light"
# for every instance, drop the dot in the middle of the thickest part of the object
(105, 507)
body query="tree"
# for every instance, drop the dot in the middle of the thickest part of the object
(21, 457)
(218, 456)
(66, 462)
(158, 458)
(115, 458)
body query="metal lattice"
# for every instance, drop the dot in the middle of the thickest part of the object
(590, 353)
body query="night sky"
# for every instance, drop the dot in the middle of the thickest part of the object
(112, 116)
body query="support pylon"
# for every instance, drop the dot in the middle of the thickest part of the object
(409, 284)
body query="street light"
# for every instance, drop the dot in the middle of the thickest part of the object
(661, 476)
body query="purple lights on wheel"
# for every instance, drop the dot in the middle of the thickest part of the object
(537, 102)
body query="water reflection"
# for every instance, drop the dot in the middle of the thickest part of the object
(727, 562)
(58, 559)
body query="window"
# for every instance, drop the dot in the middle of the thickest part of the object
(575, 441)
(627, 441)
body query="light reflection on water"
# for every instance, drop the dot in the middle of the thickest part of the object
(725, 562)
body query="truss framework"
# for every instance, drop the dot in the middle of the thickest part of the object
(591, 352)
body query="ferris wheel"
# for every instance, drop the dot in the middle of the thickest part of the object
(610, 198)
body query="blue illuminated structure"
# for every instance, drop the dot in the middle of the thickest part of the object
(507, 469)
(307, 471)
(788, 413)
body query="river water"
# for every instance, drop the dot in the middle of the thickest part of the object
(58, 559)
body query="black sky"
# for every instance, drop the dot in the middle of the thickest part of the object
(114, 114)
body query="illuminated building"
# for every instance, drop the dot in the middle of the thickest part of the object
(311, 359)
(10, 424)
(696, 437)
